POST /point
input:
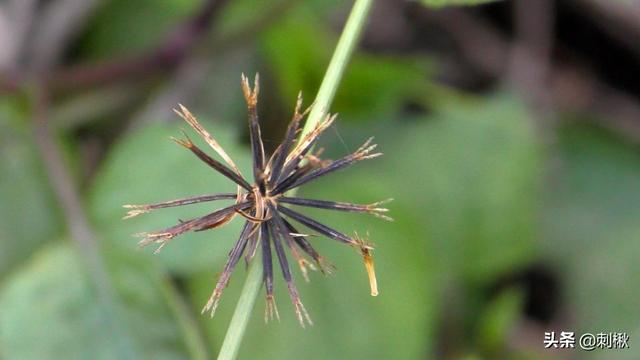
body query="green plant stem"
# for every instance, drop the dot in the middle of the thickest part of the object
(339, 60)
(240, 319)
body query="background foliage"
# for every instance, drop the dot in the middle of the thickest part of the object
(515, 207)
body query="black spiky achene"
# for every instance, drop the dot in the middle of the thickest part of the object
(268, 221)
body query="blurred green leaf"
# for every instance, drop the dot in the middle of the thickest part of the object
(592, 230)
(440, 3)
(376, 86)
(147, 167)
(239, 15)
(28, 215)
(123, 27)
(373, 86)
(51, 311)
(297, 62)
(472, 173)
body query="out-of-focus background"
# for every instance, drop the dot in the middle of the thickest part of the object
(510, 132)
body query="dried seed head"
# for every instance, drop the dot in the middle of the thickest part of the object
(265, 207)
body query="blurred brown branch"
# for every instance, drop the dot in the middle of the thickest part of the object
(572, 87)
(530, 58)
(619, 19)
(57, 24)
(68, 198)
(166, 56)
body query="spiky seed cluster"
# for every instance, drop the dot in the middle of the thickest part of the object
(268, 221)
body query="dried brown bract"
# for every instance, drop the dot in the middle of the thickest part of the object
(265, 206)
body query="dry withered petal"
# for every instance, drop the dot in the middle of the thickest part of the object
(262, 204)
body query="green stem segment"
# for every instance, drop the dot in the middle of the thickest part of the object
(240, 318)
(339, 60)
